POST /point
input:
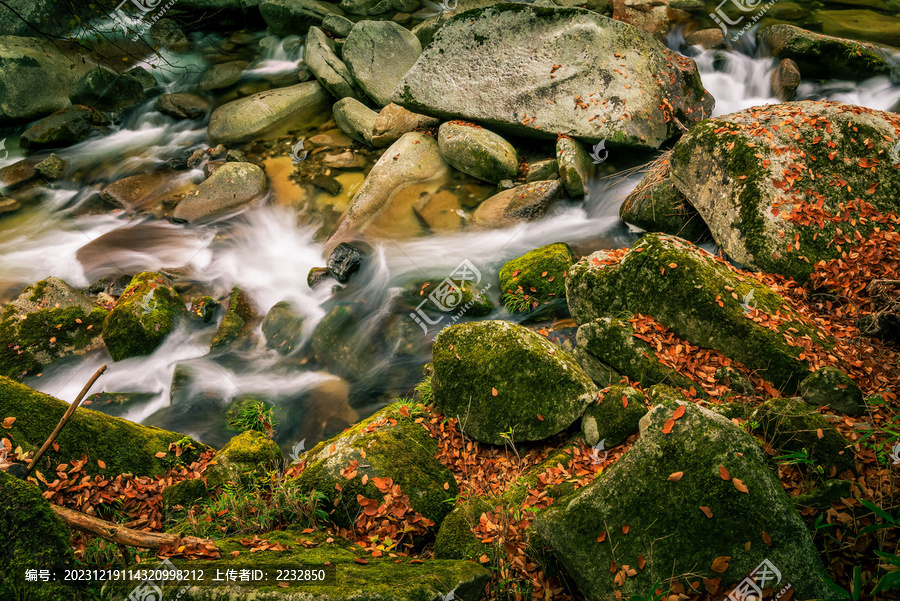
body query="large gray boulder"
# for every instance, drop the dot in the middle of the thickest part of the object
(694, 499)
(777, 184)
(378, 54)
(266, 113)
(543, 71)
(229, 189)
(487, 373)
(413, 159)
(36, 76)
(328, 69)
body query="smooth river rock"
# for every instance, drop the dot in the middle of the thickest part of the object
(230, 188)
(378, 54)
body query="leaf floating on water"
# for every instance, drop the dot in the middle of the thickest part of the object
(706, 511)
(675, 476)
(720, 564)
(724, 473)
(739, 484)
(667, 427)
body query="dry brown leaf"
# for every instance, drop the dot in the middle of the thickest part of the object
(667, 427)
(706, 511)
(601, 537)
(678, 412)
(739, 484)
(724, 473)
(720, 564)
(766, 538)
(675, 476)
(494, 391)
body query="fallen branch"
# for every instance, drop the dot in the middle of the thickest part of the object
(120, 534)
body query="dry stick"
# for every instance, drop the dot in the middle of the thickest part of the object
(119, 534)
(65, 418)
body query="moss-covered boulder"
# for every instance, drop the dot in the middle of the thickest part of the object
(484, 65)
(339, 344)
(793, 426)
(477, 151)
(575, 167)
(653, 505)
(388, 444)
(283, 327)
(122, 445)
(702, 300)
(456, 538)
(536, 278)
(467, 298)
(612, 341)
(487, 372)
(143, 316)
(656, 205)
(31, 538)
(786, 186)
(238, 323)
(357, 575)
(602, 374)
(833, 388)
(826, 56)
(183, 494)
(48, 321)
(614, 417)
(248, 454)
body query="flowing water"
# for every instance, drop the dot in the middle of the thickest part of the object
(269, 249)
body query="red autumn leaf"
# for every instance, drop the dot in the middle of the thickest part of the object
(641, 561)
(601, 537)
(675, 476)
(678, 412)
(706, 511)
(493, 391)
(540, 417)
(8, 422)
(101, 464)
(723, 472)
(625, 529)
(667, 427)
(624, 401)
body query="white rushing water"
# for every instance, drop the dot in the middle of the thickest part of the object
(269, 250)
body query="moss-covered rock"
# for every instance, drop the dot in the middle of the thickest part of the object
(575, 167)
(792, 425)
(536, 278)
(122, 445)
(466, 297)
(31, 538)
(656, 205)
(456, 538)
(664, 515)
(825, 56)
(776, 184)
(614, 417)
(602, 374)
(143, 316)
(239, 321)
(184, 494)
(386, 445)
(612, 341)
(487, 373)
(48, 321)
(832, 388)
(339, 344)
(702, 300)
(370, 580)
(204, 309)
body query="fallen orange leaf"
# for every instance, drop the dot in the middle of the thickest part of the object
(675, 476)
(720, 564)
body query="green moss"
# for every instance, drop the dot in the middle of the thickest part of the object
(791, 425)
(486, 374)
(403, 452)
(143, 316)
(607, 420)
(376, 580)
(185, 493)
(456, 538)
(538, 276)
(31, 537)
(238, 321)
(662, 208)
(250, 447)
(474, 303)
(122, 445)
